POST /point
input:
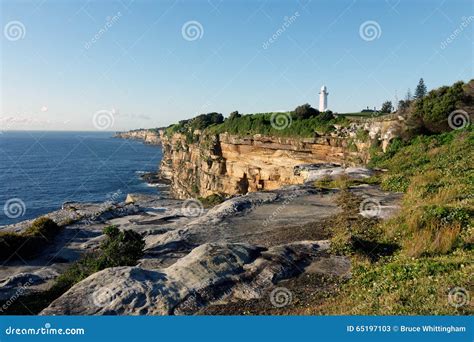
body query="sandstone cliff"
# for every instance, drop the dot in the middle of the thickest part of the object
(148, 136)
(202, 164)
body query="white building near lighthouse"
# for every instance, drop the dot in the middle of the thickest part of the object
(323, 99)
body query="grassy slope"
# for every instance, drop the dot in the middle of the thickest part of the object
(434, 232)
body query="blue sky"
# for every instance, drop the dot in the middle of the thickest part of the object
(143, 71)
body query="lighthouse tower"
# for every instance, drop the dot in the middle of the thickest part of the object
(323, 99)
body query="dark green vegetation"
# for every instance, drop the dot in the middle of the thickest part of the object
(408, 264)
(279, 124)
(387, 107)
(429, 114)
(120, 248)
(199, 122)
(212, 200)
(420, 90)
(304, 121)
(426, 114)
(304, 112)
(29, 243)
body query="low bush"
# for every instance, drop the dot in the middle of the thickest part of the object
(304, 112)
(120, 248)
(30, 242)
(212, 200)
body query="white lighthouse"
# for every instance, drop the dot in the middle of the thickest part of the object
(323, 99)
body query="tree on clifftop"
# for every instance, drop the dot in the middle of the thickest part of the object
(387, 107)
(420, 89)
(305, 112)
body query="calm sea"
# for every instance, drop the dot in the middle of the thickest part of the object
(41, 170)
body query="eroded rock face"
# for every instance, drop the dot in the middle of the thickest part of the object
(224, 163)
(211, 272)
(148, 136)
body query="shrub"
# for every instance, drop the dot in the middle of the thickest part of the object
(43, 226)
(387, 107)
(212, 200)
(304, 112)
(430, 113)
(326, 116)
(120, 248)
(234, 115)
(30, 242)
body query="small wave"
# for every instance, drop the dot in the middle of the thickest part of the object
(157, 185)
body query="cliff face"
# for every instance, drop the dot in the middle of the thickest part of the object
(148, 136)
(207, 164)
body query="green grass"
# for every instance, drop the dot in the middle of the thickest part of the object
(403, 286)
(432, 234)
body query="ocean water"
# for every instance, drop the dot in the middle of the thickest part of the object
(41, 170)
